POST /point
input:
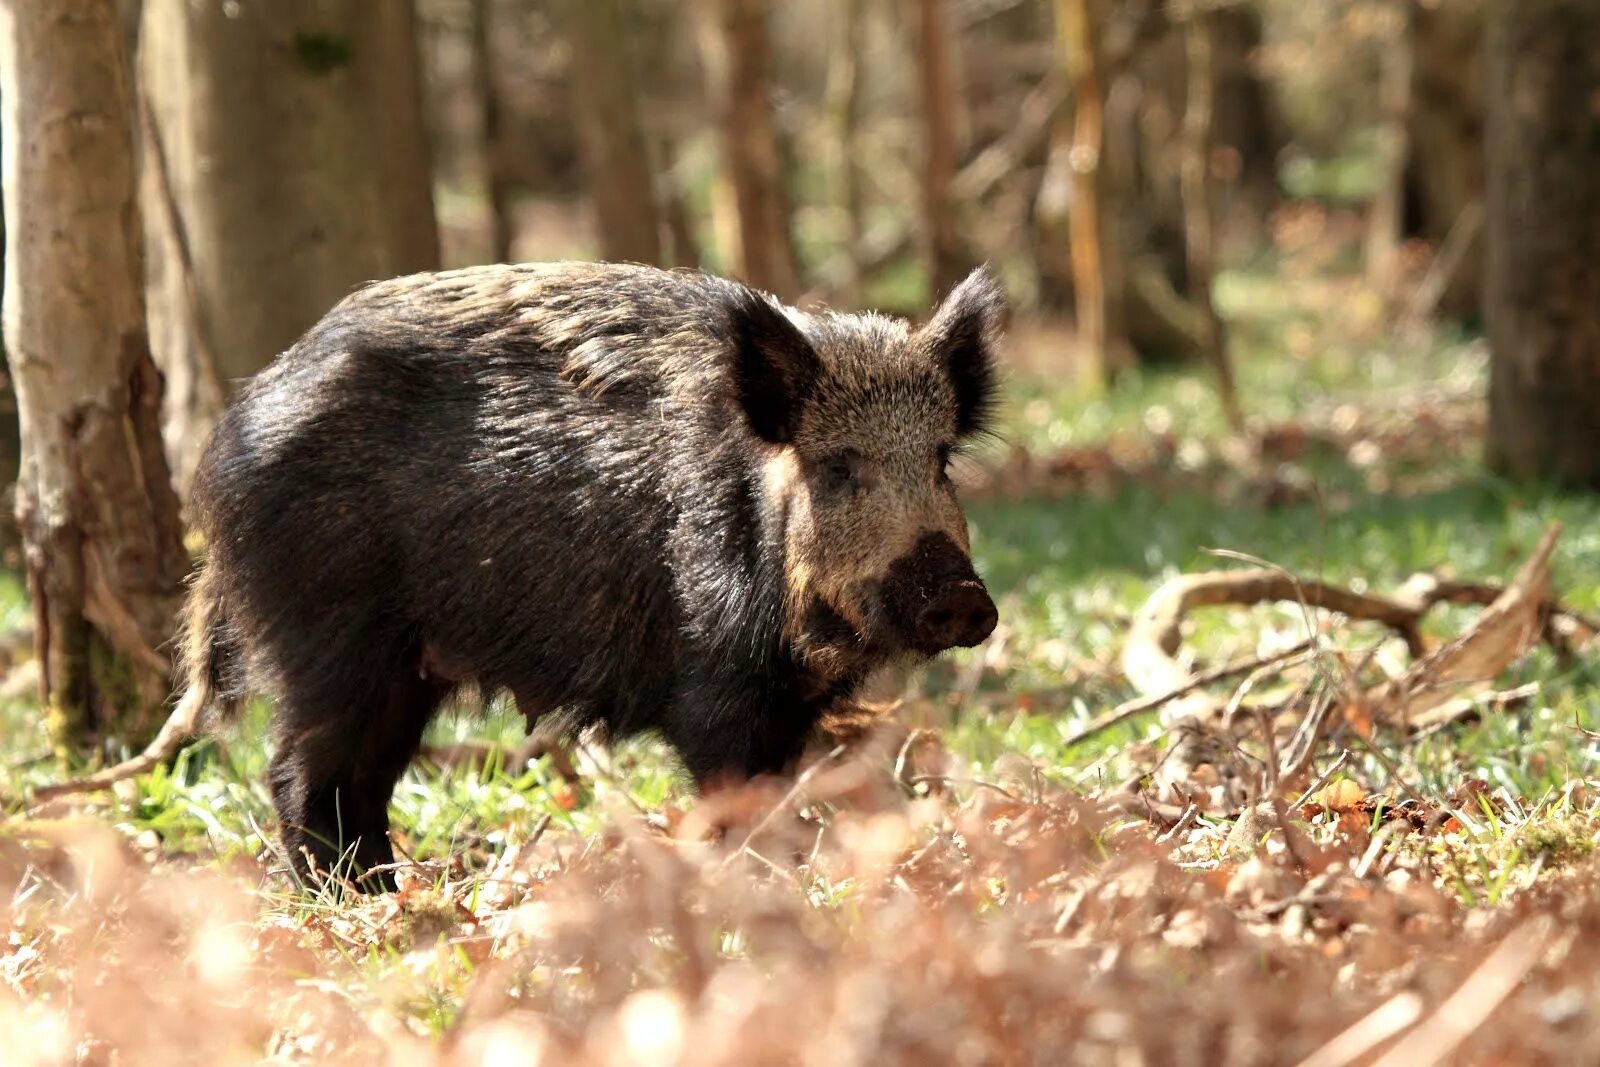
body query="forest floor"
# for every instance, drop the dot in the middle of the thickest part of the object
(994, 883)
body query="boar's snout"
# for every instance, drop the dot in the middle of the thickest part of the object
(960, 617)
(937, 599)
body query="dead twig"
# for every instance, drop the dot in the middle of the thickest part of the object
(1307, 736)
(1500, 634)
(1128, 709)
(1148, 654)
(1327, 775)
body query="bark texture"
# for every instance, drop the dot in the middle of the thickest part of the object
(1098, 271)
(616, 158)
(286, 163)
(1543, 203)
(485, 86)
(99, 517)
(738, 58)
(945, 258)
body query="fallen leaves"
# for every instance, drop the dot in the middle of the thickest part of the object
(848, 924)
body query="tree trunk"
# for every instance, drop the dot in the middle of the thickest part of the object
(10, 449)
(1249, 134)
(945, 259)
(1384, 220)
(1543, 293)
(388, 67)
(1198, 202)
(844, 118)
(1097, 268)
(491, 131)
(616, 158)
(738, 57)
(104, 550)
(285, 164)
(1444, 127)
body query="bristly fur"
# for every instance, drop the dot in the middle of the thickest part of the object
(597, 487)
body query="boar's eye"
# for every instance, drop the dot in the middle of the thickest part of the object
(944, 463)
(842, 470)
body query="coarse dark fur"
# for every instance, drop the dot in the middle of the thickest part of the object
(646, 499)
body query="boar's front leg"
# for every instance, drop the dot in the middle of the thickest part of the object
(339, 756)
(727, 726)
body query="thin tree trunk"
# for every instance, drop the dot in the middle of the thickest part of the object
(1543, 203)
(616, 157)
(844, 117)
(1198, 201)
(681, 247)
(100, 521)
(1445, 142)
(738, 58)
(492, 134)
(1097, 269)
(946, 261)
(293, 168)
(1385, 222)
(10, 448)
(388, 68)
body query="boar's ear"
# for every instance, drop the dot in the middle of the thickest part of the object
(774, 365)
(961, 337)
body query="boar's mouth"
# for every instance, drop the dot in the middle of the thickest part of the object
(934, 600)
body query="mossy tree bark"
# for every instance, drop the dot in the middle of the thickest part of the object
(99, 518)
(1543, 215)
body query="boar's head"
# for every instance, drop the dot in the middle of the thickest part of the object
(860, 416)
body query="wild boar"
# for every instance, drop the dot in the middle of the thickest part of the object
(642, 499)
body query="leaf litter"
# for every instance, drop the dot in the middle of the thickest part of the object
(1275, 887)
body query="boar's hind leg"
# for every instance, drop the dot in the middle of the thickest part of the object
(337, 763)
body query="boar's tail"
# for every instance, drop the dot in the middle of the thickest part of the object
(211, 662)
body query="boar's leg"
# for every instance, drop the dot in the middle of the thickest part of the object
(337, 763)
(726, 729)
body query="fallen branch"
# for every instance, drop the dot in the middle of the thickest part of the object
(1514, 617)
(180, 728)
(1148, 655)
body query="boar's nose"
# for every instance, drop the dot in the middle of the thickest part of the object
(936, 599)
(961, 616)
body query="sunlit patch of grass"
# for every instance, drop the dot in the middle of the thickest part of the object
(1291, 355)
